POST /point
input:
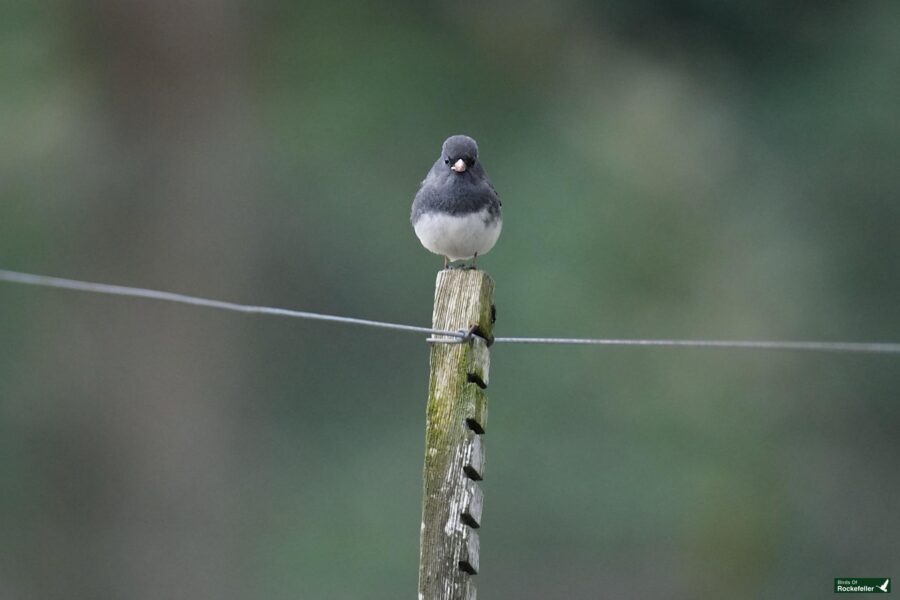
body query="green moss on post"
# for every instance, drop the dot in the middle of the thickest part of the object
(456, 418)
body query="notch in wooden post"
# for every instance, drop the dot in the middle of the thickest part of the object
(456, 419)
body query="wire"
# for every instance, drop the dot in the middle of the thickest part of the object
(121, 290)
(874, 347)
(457, 337)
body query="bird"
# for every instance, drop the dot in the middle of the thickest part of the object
(456, 212)
(884, 586)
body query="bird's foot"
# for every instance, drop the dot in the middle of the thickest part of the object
(448, 265)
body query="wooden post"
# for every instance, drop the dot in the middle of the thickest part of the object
(456, 419)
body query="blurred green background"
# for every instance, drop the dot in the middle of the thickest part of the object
(668, 169)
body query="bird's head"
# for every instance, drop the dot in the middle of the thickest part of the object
(460, 152)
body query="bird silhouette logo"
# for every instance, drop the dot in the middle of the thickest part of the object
(884, 586)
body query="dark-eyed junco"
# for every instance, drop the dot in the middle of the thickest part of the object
(456, 212)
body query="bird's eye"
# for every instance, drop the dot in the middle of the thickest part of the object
(446, 161)
(470, 162)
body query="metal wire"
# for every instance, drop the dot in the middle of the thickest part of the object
(456, 337)
(120, 290)
(874, 347)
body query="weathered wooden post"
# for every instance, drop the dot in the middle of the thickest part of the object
(456, 419)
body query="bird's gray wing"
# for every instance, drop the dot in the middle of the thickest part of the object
(494, 190)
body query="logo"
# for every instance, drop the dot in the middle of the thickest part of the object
(862, 585)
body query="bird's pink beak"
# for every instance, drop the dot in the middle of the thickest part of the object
(459, 166)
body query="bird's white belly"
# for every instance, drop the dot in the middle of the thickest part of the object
(458, 237)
